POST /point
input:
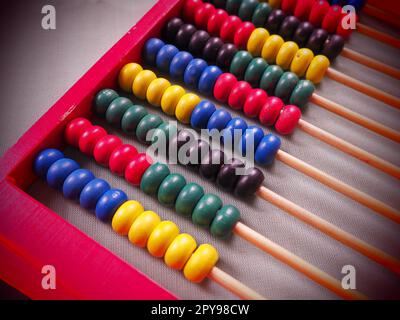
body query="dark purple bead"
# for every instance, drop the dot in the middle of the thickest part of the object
(333, 46)
(211, 49)
(211, 164)
(225, 55)
(227, 176)
(196, 152)
(302, 33)
(171, 29)
(184, 35)
(317, 40)
(198, 41)
(249, 183)
(274, 21)
(288, 27)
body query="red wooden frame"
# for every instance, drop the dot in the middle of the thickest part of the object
(32, 235)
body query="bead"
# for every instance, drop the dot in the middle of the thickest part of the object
(318, 12)
(239, 94)
(128, 73)
(260, 14)
(202, 15)
(286, 54)
(161, 237)
(187, 199)
(271, 48)
(267, 149)
(185, 107)
(332, 19)
(136, 168)
(170, 188)
(211, 49)
(103, 99)
(288, 119)
(286, 85)
(316, 40)
(223, 86)
(117, 109)
(303, 8)
(197, 42)
(165, 56)
(169, 33)
(189, 9)
(150, 51)
(215, 21)
(170, 99)
(45, 159)
(184, 35)
(178, 65)
(206, 209)
(193, 72)
(104, 147)
(357, 4)
(201, 114)
(131, 118)
(232, 6)
(288, 27)
(227, 176)
(75, 182)
(219, 3)
(156, 90)
(208, 78)
(218, 120)
(125, 215)
(200, 263)
(120, 158)
(166, 130)
(229, 27)
(153, 177)
(179, 251)
(225, 221)
(302, 93)
(254, 71)
(246, 9)
(74, 130)
(242, 34)
(341, 31)
(301, 61)
(317, 69)
(250, 140)
(249, 183)
(270, 111)
(142, 82)
(92, 192)
(108, 203)
(270, 78)
(274, 21)
(288, 6)
(211, 164)
(148, 123)
(302, 33)
(235, 127)
(89, 138)
(142, 228)
(254, 102)
(196, 152)
(256, 41)
(225, 55)
(240, 63)
(185, 136)
(333, 46)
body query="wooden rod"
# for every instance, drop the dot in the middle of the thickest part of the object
(378, 35)
(382, 15)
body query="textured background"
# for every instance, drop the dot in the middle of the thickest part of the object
(38, 66)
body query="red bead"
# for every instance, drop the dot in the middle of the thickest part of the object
(254, 102)
(238, 95)
(303, 9)
(332, 19)
(135, 169)
(288, 119)
(74, 130)
(104, 147)
(223, 86)
(120, 158)
(229, 27)
(345, 33)
(90, 136)
(202, 15)
(318, 12)
(189, 9)
(215, 21)
(243, 34)
(288, 6)
(270, 111)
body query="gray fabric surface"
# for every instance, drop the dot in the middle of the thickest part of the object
(39, 66)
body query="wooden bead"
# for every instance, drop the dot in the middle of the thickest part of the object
(332, 18)
(185, 107)
(148, 123)
(215, 21)
(256, 41)
(317, 69)
(286, 54)
(223, 86)
(254, 71)
(201, 114)
(92, 192)
(207, 80)
(225, 55)
(270, 111)
(288, 119)
(136, 168)
(193, 72)
(303, 9)
(169, 189)
(225, 221)
(89, 138)
(301, 61)
(104, 148)
(286, 85)
(274, 21)
(200, 263)
(156, 90)
(211, 164)
(267, 149)
(333, 46)
(161, 237)
(239, 63)
(103, 99)
(270, 78)
(190, 8)
(229, 28)
(211, 49)
(153, 177)
(142, 82)
(232, 6)
(74, 130)
(288, 27)
(227, 176)
(234, 131)
(131, 118)
(165, 56)
(198, 41)
(254, 102)
(218, 120)
(302, 33)
(188, 199)
(169, 31)
(116, 110)
(184, 35)
(129, 72)
(179, 251)
(125, 215)
(250, 140)
(271, 48)
(142, 228)
(288, 6)
(302, 93)
(45, 159)
(170, 99)
(242, 34)
(239, 94)
(260, 14)
(202, 15)
(246, 9)
(120, 158)
(317, 40)
(318, 12)
(249, 183)
(206, 209)
(75, 182)
(108, 204)
(196, 152)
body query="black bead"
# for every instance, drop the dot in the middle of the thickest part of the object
(220, 4)
(227, 176)
(184, 35)
(171, 29)
(198, 41)
(211, 164)
(196, 152)
(274, 21)
(333, 46)
(178, 140)
(211, 49)
(317, 40)
(225, 55)
(288, 27)
(249, 183)
(302, 33)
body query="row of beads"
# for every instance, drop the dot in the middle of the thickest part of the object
(211, 164)
(156, 179)
(143, 228)
(357, 4)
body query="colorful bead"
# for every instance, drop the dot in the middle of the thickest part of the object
(303, 8)
(165, 56)
(317, 69)
(215, 21)
(184, 35)
(232, 6)
(318, 12)
(246, 9)
(275, 20)
(254, 71)
(286, 54)
(206, 209)
(316, 40)
(136, 168)
(193, 72)
(190, 7)
(150, 51)
(129, 71)
(197, 151)
(92, 192)
(201, 114)
(142, 82)
(236, 126)
(108, 203)
(187, 199)
(223, 86)
(248, 184)
(208, 78)
(74, 130)
(197, 43)
(148, 123)
(270, 78)
(211, 164)
(260, 14)
(301, 61)
(156, 90)
(211, 49)
(178, 65)
(229, 27)
(225, 55)
(142, 227)
(185, 107)
(153, 177)
(288, 119)
(170, 188)
(125, 215)
(120, 158)
(169, 33)
(256, 41)
(270, 111)
(89, 138)
(271, 48)
(302, 93)
(254, 102)
(116, 110)
(286, 85)
(200, 263)
(45, 159)
(333, 46)
(170, 99)
(239, 94)
(225, 221)
(103, 99)
(131, 118)
(75, 182)
(332, 18)
(179, 251)
(288, 6)
(227, 176)
(242, 34)
(202, 15)
(250, 139)
(219, 120)
(288, 27)
(240, 63)
(161, 237)
(302, 33)
(166, 130)
(267, 149)
(104, 147)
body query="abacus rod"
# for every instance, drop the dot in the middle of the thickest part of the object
(355, 117)
(339, 186)
(381, 15)
(378, 35)
(350, 149)
(295, 262)
(331, 230)
(363, 87)
(233, 285)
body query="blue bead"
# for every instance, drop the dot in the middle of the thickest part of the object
(251, 139)
(45, 159)
(193, 72)
(108, 203)
(75, 182)
(208, 78)
(151, 49)
(165, 56)
(357, 4)
(201, 114)
(92, 192)
(219, 119)
(235, 126)
(59, 171)
(179, 63)
(267, 149)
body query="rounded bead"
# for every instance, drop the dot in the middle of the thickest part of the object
(239, 94)
(131, 118)
(201, 263)
(256, 41)
(215, 21)
(240, 63)
(201, 114)
(288, 119)
(178, 65)
(148, 123)
(74, 130)
(45, 159)
(288, 6)
(270, 78)
(225, 221)
(301, 61)
(332, 18)
(243, 34)
(104, 147)
(286, 85)
(198, 41)
(267, 149)
(341, 31)
(250, 139)
(142, 82)
(165, 56)
(170, 99)
(275, 20)
(303, 8)
(136, 168)
(260, 14)
(92, 192)
(316, 40)
(142, 228)
(161, 237)
(254, 71)
(75, 182)
(227, 176)
(179, 251)
(286, 54)
(302, 33)
(89, 138)
(211, 164)
(156, 90)
(229, 27)
(153, 177)
(117, 109)
(168, 33)
(302, 93)
(150, 51)
(211, 49)
(248, 184)
(108, 203)
(129, 72)
(219, 120)
(318, 12)
(317, 69)
(169, 189)
(234, 130)
(288, 27)
(190, 7)
(270, 111)
(184, 35)
(254, 102)
(187, 199)
(104, 97)
(164, 131)
(193, 72)
(206, 209)
(271, 48)
(185, 107)
(246, 9)
(120, 158)
(202, 15)
(223, 86)
(125, 215)
(232, 6)
(333, 46)
(225, 55)
(208, 78)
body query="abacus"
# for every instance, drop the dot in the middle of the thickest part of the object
(192, 60)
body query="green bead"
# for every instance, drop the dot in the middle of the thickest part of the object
(254, 71)
(246, 9)
(225, 221)
(286, 85)
(206, 209)
(103, 99)
(148, 122)
(302, 93)
(131, 118)
(270, 78)
(165, 129)
(188, 198)
(261, 14)
(169, 189)
(116, 110)
(220, 4)
(232, 6)
(153, 177)
(239, 63)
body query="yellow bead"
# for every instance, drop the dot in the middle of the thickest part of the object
(286, 54)
(200, 263)
(156, 90)
(317, 68)
(170, 99)
(127, 74)
(180, 251)
(142, 227)
(161, 238)
(185, 107)
(142, 82)
(125, 216)
(301, 61)
(271, 48)
(256, 41)
(276, 4)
